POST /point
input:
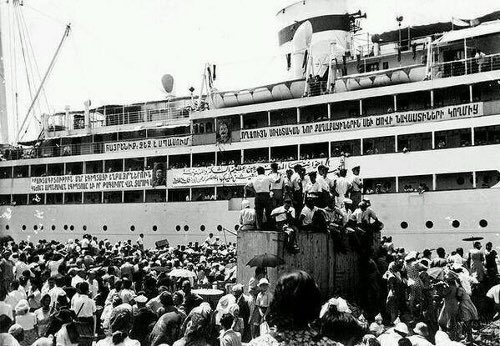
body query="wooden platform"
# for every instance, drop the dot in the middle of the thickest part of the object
(334, 272)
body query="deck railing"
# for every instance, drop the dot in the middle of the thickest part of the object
(467, 66)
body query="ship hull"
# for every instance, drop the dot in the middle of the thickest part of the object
(471, 208)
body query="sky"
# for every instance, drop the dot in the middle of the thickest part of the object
(118, 50)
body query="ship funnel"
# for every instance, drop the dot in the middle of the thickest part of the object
(168, 83)
(301, 49)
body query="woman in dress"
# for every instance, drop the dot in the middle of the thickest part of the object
(296, 303)
(449, 312)
(197, 327)
(476, 260)
(395, 290)
(467, 312)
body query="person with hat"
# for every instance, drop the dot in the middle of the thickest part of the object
(27, 321)
(143, 320)
(248, 218)
(121, 324)
(264, 298)
(421, 331)
(377, 326)
(261, 186)
(277, 185)
(341, 187)
(355, 193)
(393, 335)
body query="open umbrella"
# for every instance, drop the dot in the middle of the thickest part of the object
(182, 273)
(265, 260)
(473, 239)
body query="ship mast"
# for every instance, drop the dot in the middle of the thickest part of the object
(4, 119)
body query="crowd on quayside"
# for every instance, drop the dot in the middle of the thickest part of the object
(90, 291)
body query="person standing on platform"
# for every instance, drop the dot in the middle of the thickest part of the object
(341, 187)
(277, 186)
(476, 260)
(356, 186)
(261, 185)
(324, 186)
(247, 216)
(297, 187)
(490, 262)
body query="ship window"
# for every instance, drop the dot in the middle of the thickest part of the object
(20, 199)
(136, 164)
(453, 138)
(131, 135)
(5, 172)
(378, 105)
(347, 148)
(186, 228)
(179, 161)
(487, 135)
(313, 151)
(35, 227)
(385, 65)
(429, 224)
(345, 109)
(413, 101)
(202, 228)
(104, 228)
(483, 223)
(71, 228)
(111, 166)
(415, 183)
(93, 167)
(92, 197)
(178, 195)
(38, 170)
(204, 159)
(284, 153)
(287, 116)
(380, 185)
(65, 227)
(155, 196)
(151, 161)
(487, 179)
(177, 228)
(24, 228)
(454, 181)
(486, 91)
(74, 168)
(4, 199)
(452, 95)
(379, 145)
(203, 194)
(404, 225)
(20, 171)
(53, 227)
(54, 198)
(84, 227)
(229, 157)
(255, 120)
(219, 228)
(155, 228)
(133, 196)
(55, 169)
(36, 198)
(314, 113)
(112, 197)
(259, 155)
(455, 223)
(73, 198)
(415, 142)
(228, 192)
(132, 228)
(7, 227)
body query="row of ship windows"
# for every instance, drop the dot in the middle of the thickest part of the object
(404, 225)
(487, 135)
(178, 228)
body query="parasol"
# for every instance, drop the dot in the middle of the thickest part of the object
(473, 238)
(436, 273)
(182, 273)
(265, 260)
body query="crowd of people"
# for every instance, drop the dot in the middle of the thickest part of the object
(88, 291)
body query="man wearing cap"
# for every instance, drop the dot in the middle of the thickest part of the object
(261, 185)
(420, 337)
(356, 186)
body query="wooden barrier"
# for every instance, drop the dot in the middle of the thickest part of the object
(334, 272)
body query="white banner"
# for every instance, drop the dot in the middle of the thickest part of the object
(394, 119)
(95, 182)
(148, 144)
(234, 175)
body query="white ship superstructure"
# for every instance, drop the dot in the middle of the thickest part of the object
(420, 116)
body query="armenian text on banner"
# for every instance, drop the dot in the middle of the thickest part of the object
(468, 110)
(148, 144)
(92, 182)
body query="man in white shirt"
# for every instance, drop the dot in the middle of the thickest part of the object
(342, 186)
(5, 308)
(261, 185)
(312, 186)
(296, 180)
(277, 185)
(356, 186)
(324, 186)
(84, 307)
(284, 218)
(306, 218)
(247, 216)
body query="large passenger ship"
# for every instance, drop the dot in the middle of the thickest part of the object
(418, 109)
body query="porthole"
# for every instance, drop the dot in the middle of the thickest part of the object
(41, 228)
(71, 228)
(202, 228)
(177, 228)
(65, 227)
(84, 227)
(236, 227)
(24, 227)
(155, 228)
(404, 225)
(7, 227)
(455, 223)
(483, 223)
(104, 228)
(219, 228)
(429, 224)
(132, 228)
(186, 228)
(53, 227)
(460, 180)
(35, 227)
